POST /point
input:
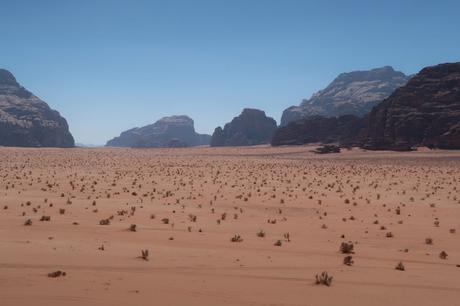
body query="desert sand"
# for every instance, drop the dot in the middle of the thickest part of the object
(292, 210)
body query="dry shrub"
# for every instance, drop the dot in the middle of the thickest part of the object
(323, 279)
(236, 238)
(348, 260)
(346, 248)
(145, 254)
(400, 267)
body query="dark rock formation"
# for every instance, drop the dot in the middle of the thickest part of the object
(317, 129)
(174, 131)
(353, 93)
(251, 127)
(27, 121)
(176, 143)
(218, 137)
(327, 149)
(425, 112)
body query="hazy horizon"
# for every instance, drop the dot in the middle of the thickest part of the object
(114, 65)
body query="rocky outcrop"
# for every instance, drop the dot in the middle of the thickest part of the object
(251, 127)
(27, 121)
(425, 112)
(174, 131)
(317, 129)
(353, 93)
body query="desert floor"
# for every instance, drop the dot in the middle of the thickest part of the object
(393, 207)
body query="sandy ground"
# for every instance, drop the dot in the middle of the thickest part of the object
(210, 195)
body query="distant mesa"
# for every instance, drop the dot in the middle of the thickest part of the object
(352, 93)
(424, 112)
(251, 127)
(173, 131)
(27, 121)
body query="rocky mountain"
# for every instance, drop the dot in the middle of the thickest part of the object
(343, 130)
(27, 121)
(424, 112)
(352, 93)
(251, 127)
(174, 131)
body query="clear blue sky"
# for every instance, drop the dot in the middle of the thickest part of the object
(111, 65)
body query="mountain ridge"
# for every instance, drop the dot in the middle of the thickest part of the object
(424, 112)
(350, 93)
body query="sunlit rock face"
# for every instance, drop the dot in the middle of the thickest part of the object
(27, 121)
(352, 93)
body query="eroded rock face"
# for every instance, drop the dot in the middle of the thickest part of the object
(251, 127)
(173, 131)
(27, 121)
(425, 112)
(353, 93)
(317, 129)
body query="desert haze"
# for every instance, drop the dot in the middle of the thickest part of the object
(229, 226)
